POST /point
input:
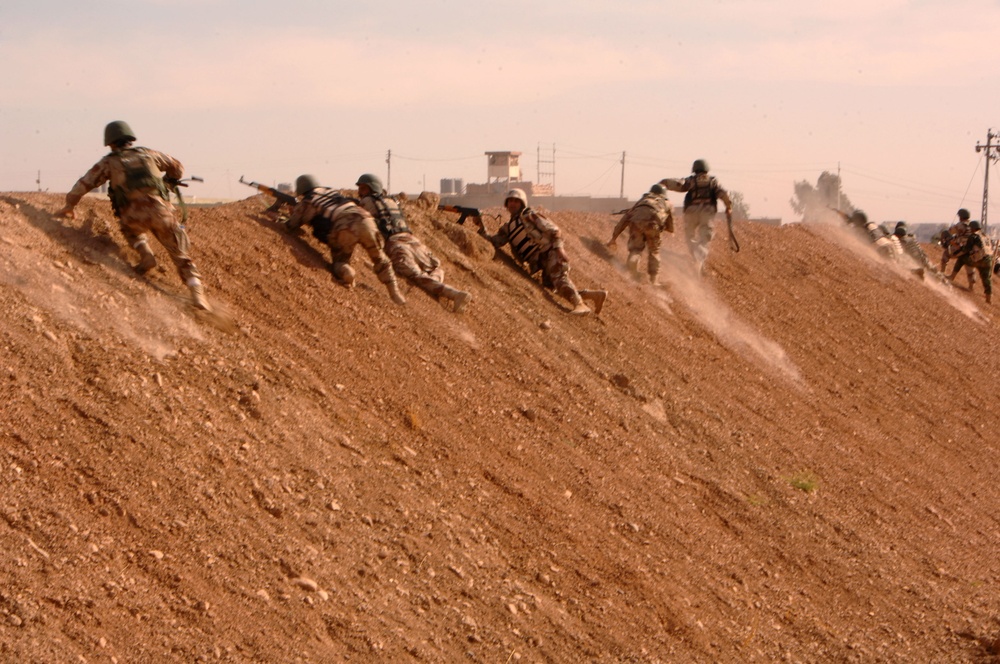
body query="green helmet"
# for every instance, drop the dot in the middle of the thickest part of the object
(859, 218)
(901, 229)
(975, 225)
(116, 131)
(373, 182)
(517, 194)
(305, 183)
(658, 189)
(699, 166)
(963, 214)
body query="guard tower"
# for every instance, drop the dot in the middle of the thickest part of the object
(503, 168)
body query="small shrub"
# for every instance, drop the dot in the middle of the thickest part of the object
(804, 481)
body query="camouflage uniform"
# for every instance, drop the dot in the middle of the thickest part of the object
(537, 244)
(410, 258)
(342, 224)
(952, 243)
(703, 192)
(977, 253)
(645, 221)
(145, 208)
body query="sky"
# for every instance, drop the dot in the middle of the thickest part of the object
(892, 94)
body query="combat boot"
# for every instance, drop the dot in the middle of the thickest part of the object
(147, 259)
(989, 298)
(460, 299)
(597, 297)
(654, 278)
(345, 275)
(580, 309)
(198, 298)
(394, 293)
(632, 264)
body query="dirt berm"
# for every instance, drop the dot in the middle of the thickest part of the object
(795, 459)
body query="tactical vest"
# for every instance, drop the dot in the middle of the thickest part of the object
(331, 204)
(522, 245)
(390, 219)
(982, 249)
(704, 191)
(140, 176)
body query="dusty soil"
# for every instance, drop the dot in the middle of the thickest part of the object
(795, 459)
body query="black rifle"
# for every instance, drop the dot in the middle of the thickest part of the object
(280, 197)
(464, 213)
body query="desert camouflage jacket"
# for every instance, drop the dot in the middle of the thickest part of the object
(323, 208)
(703, 190)
(112, 169)
(530, 236)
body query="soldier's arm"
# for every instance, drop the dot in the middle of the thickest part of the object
(621, 226)
(98, 174)
(550, 235)
(298, 216)
(171, 167)
(500, 238)
(677, 185)
(728, 202)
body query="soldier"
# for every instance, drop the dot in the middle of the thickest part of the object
(700, 208)
(537, 244)
(887, 245)
(911, 247)
(141, 202)
(410, 258)
(953, 241)
(646, 220)
(976, 253)
(342, 224)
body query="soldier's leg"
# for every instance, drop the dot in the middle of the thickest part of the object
(174, 239)
(653, 264)
(636, 244)
(368, 237)
(556, 270)
(985, 268)
(970, 274)
(136, 238)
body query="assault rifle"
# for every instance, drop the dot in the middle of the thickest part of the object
(280, 197)
(172, 186)
(464, 213)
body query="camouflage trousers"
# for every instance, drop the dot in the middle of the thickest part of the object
(698, 232)
(152, 214)
(642, 235)
(970, 272)
(555, 275)
(985, 268)
(415, 263)
(349, 231)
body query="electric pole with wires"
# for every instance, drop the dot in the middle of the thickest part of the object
(992, 151)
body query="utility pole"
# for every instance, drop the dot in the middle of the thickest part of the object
(388, 171)
(621, 192)
(992, 151)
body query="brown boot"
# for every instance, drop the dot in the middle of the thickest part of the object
(198, 298)
(580, 309)
(989, 298)
(460, 299)
(394, 293)
(147, 259)
(597, 297)
(345, 275)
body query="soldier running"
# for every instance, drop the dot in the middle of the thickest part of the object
(537, 244)
(410, 258)
(141, 202)
(976, 253)
(952, 242)
(703, 192)
(646, 221)
(342, 224)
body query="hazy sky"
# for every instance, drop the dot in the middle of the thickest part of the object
(894, 93)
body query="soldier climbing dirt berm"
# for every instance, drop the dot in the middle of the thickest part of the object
(702, 194)
(410, 258)
(342, 224)
(537, 244)
(141, 201)
(646, 221)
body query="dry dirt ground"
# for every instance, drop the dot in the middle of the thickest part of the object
(795, 459)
